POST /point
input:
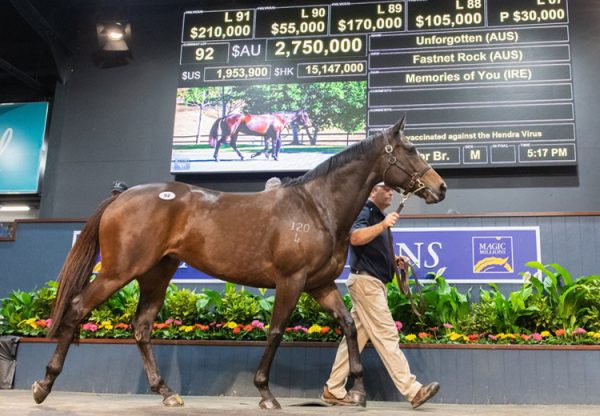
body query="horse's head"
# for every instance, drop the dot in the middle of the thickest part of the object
(403, 167)
(301, 117)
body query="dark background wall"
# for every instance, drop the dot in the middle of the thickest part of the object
(117, 123)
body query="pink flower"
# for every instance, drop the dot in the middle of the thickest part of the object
(579, 331)
(89, 326)
(49, 322)
(177, 322)
(300, 328)
(258, 324)
(434, 329)
(169, 321)
(399, 325)
(448, 326)
(492, 337)
(536, 336)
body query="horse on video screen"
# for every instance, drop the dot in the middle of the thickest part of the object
(146, 231)
(269, 126)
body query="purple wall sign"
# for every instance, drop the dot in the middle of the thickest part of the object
(468, 254)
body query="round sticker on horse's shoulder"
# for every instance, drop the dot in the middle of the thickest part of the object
(167, 196)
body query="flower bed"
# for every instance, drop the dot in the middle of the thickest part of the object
(557, 310)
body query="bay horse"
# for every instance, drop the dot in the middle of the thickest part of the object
(268, 126)
(145, 233)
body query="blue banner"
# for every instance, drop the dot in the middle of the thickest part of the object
(22, 156)
(468, 254)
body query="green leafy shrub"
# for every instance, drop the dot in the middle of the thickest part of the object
(182, 305)
(484, 316)
(308, 311)
(238, 306)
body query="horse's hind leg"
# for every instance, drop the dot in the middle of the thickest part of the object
(153, 285)
(218, 146)
(330, 299)
(93, 295)
(287, 294)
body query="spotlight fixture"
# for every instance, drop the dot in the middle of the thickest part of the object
(114, 43)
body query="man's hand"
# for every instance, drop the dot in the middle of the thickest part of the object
(390, 219)
(402, 262)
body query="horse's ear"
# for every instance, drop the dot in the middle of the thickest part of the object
(398, 128)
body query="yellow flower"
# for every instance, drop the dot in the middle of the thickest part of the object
(106, 325)
(185, 328)
(314, 328)
(545, 334)
(231, 325)
(31, 322)
(410, 337)
(455, 337)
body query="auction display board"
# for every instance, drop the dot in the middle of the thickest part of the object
(484, 83)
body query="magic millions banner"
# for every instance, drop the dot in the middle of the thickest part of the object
(468, 255)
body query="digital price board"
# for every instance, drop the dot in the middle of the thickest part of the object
(484, 83)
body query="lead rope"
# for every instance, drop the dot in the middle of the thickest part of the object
(401, 274)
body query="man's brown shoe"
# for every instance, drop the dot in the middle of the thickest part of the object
(330, 399)
(425, 393)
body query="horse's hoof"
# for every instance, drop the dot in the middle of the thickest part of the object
(359, 397)
(39, 392)
(269, 404)
(173, 401)
(242, 157)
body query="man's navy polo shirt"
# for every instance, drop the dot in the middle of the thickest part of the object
(372, 258)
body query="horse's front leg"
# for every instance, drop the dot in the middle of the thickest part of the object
(266, 151)
(330, 299)
(287, 293)
(276, 146)
(234, 145)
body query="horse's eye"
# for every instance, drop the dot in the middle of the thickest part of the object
(411, 150)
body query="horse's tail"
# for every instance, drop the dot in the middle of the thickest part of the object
(214, 133)
(75, 273)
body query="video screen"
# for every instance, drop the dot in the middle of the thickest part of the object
(266, 128)
(281, 88)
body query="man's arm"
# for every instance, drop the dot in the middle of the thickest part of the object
(362, 236)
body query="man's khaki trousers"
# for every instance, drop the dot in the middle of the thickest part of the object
(373, 322)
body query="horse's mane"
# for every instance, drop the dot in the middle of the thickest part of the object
(347, 155)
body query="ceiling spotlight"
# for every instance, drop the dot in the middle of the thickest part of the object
(116, 34)
(114, 44)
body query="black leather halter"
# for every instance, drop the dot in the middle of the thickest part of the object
(415, 184)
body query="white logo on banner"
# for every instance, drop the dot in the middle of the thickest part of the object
(5, 140)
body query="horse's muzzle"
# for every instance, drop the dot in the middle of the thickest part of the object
(433, 197)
